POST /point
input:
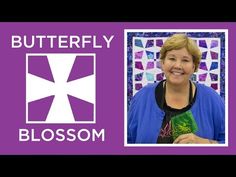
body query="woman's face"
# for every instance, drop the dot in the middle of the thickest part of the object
(178, 66)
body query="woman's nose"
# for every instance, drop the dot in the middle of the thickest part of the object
(178, 64)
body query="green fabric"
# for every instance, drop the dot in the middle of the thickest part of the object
(183, 123)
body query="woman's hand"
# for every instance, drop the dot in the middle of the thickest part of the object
(191, 138)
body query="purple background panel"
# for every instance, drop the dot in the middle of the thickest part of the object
(110, 90)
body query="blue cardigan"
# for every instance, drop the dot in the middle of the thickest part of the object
(145, 117)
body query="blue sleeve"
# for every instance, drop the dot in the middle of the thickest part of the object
(132, 121)
(219, 120)
(134, 114)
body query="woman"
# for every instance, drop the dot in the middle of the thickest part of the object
(157, 108)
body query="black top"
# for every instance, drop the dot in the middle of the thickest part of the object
(165, 135)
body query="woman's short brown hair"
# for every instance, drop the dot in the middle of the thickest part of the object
(179, 41)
